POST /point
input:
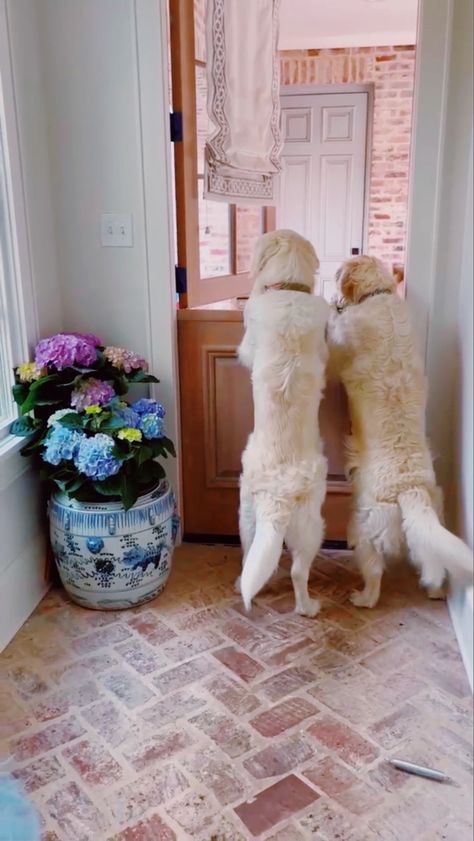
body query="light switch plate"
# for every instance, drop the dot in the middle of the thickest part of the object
(116, 230)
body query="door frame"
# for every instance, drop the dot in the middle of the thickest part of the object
(369, 89)
(432, 69)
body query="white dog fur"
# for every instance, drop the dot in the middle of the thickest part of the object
(284, 470)
(397, 504)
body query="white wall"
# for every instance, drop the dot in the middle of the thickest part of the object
(462, 602)
(449, 345)
(92, 106)
(22, 521)
(108, 136)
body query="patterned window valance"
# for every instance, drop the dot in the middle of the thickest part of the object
(243, 154)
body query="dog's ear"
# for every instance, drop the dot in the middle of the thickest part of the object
(398, 272)
(265, 249)
(313, 258)
(347, 284)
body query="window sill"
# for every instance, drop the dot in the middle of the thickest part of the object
(12, 463)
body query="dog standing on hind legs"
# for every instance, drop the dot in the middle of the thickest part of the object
(397, 504)
(283, 480)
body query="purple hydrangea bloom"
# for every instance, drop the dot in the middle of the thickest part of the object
(62, 444)
(90, 338)
(95, 458)
(92, 392)
(146, 406)
(152, 426)
(66, 349)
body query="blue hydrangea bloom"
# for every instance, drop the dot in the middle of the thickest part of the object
(95, 458)
(146, 406)
(61, 444)
(128, 416)
(152, 426)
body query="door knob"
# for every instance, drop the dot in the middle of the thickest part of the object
(355, 251)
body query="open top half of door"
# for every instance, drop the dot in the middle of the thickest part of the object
(214, 239)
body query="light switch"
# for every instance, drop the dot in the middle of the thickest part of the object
(116, 230)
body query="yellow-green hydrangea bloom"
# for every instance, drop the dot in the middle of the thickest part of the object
(93, 410)
(129, 434)
(29, 371)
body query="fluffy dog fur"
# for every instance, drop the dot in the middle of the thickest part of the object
(396, 501)
(284, 470)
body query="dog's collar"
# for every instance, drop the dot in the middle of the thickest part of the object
(293, 287)
(341, 307)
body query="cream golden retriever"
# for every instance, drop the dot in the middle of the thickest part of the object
(284, 470)
(397, 504)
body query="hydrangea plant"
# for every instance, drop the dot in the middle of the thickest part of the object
(88, 441)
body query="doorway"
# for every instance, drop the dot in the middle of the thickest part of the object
(346, 121)
(325, 161)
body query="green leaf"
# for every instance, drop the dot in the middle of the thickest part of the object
(122, 454)
(82, 494)
(121, 384)
(112, 425)
(129, 492)
(149, 472)
(73, 421)
(24, 426)
(144, 454)
(141, 376)
(109, 487)
(74, 485)
(38, 384)
(33, 444)
(169, 446)
(20, 393)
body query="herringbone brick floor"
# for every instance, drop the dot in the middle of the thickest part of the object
(187, 719)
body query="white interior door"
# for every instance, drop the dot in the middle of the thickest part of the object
(323, 175)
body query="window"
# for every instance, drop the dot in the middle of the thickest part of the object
(7, 304)
(16, 294)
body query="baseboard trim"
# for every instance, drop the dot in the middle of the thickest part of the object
(461, 609)
(233, 540)
(23, 586)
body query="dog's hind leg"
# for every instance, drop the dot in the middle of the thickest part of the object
(438, 504)
(247, 524)
(304, 538)
(371, 565)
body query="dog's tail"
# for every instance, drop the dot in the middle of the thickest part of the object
(433, 549)
(262, 559)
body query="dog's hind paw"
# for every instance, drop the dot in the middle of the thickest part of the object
(360, 598)
(310, 608)
(437, 593)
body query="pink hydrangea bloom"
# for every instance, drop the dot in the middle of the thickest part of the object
(91, 392)
(125, 360)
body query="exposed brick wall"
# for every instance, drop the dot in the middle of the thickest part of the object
(391, 70)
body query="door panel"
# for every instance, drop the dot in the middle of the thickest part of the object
(217, 417)
(296, 195)
(228, 414)
(335, 230)
(324, 200)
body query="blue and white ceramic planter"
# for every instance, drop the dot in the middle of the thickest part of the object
(109, 558)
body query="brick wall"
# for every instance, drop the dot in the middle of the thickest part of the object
(391, 70)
